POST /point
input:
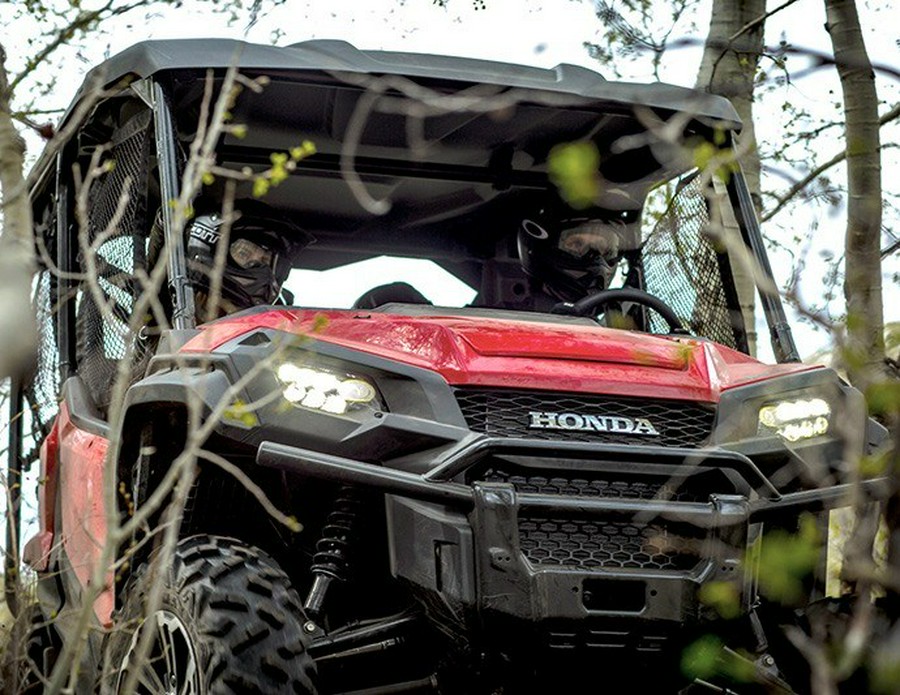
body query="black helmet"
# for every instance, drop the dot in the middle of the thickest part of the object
(571, 255)
(262, 247)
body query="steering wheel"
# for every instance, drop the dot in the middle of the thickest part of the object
(588, 305)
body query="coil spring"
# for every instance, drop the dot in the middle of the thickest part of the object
(334, 549)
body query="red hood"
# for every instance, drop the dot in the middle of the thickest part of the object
(520, 354)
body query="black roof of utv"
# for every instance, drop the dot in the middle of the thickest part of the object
(148, 58)
(456, 148)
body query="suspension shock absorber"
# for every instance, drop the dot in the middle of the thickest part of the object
(333, 557)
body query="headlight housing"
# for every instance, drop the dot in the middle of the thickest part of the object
(795, 419)
(808, 408)
(327, 390)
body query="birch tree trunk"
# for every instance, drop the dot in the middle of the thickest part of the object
(17, 257)
(734, 44)
(864, 353)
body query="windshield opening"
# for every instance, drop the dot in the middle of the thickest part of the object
(343, 286)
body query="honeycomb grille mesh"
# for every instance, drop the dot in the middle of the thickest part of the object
(505, 413)
(587, 544)
(602, 485)
(622, 543)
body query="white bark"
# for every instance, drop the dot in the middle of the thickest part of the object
(728, 68)
(17, 256)
(862, 280)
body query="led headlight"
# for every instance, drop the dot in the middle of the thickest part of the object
(326, 390)
(795, 420)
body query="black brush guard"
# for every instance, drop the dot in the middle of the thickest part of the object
(508, 579)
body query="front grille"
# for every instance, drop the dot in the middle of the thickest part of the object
(505, 413)
(597, 484)
(589, 543)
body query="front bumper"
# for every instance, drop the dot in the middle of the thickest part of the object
(502, 546)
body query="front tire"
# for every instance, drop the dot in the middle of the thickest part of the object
(228, 622)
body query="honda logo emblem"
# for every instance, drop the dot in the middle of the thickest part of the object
(576, 422)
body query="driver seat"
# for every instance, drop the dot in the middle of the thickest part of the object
(400, 292)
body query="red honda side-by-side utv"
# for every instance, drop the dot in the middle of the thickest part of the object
(546, 488)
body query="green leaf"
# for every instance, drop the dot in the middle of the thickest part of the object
(884, 671)
(574, 169)
(883, 398)
(786, 559)
(260, 187)
(875, 465)
(239, 412)
(724, 597)
(700, 659)
(320, 321)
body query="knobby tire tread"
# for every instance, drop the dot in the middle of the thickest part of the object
(247, 631)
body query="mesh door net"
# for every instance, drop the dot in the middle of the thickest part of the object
(43, 389)
(682, 268)
(117, 230)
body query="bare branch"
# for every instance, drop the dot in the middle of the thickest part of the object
(759, 21)
(787, 196)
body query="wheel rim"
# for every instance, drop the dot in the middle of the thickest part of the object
(170, 667)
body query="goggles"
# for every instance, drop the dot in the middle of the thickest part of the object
(589, 237)
(248, 255)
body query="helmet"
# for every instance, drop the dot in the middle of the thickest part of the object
(262, 247)
(571, 256)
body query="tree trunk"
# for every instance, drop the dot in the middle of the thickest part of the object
(728, 68)
(864, 353)
(17, 257)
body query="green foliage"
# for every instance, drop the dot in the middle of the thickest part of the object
(574, 169)
(785, 559)
(875, 465)
(700, 659)
(883, 398)
(283, 164)
(708, 657)
(724, 597)
(709, 154)
(884, 671)
(240, 412)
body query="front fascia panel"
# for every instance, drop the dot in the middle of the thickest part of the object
(201, 382)
(421, 413)
(475, 560)
(512, 583)
(434, 543)
(434, 548)
(807, 463)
